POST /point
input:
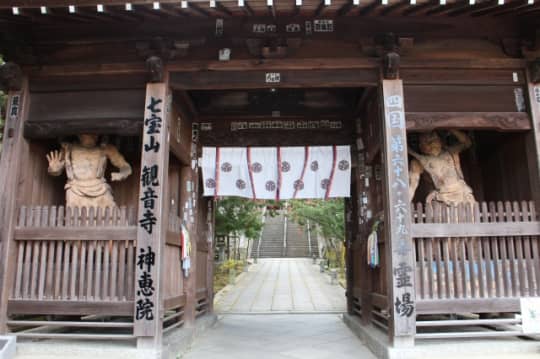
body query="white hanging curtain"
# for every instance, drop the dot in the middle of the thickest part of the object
(277, 172)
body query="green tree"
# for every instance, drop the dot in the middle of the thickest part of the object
(329, 219)
(238, 216)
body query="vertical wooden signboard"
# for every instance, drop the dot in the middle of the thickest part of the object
(13, 150)
(151, 216)
(397, 215)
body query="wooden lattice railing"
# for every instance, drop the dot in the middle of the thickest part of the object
(471, 253)
(75, 254)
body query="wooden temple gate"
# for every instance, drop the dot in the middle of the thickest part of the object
(104, 67)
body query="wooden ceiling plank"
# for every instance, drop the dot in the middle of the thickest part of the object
(145, 11)
(223, 9)
(35, 17)
(442, 10)
(123, 14)
(366, 10)
(387, 10)
(477, 7)
(488, 10)
(272, 12)
(527, 12)
(416, 9)
(8, 4)
(320, 8)
(512, 7)
(171, 10)
(248, 9)
(196, 8)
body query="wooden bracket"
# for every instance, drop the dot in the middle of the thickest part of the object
(384, 43)
(167, 49)
(11, 77)
(534, 71)
(154, 66)
(277, 48)
(391, 61)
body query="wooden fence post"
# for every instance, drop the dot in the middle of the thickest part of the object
(397, 217)
(152, 219)
(13, 149)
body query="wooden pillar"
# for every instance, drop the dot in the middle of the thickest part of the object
(351, 229)
(190, 283)
(533, 139)
(152, 218)
(14, 148)
(210, 259)
(399, 248)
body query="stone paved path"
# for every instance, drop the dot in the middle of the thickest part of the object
(279, 336)
(282, 285)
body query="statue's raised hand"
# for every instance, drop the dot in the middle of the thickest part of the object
(56, 162)
(119, 176)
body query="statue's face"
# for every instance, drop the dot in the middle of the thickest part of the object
(88, 140)
(430, 144)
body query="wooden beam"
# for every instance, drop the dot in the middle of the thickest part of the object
(498, 121)
(462, 230)
(174, 302)
(397, 228)
(68, 307)
(56, 128)
(463, 76)
(79, 234)
(469, 305)
(257, 79)
(345, 63)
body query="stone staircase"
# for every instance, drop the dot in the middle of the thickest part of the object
(272, 238)
(297, 240)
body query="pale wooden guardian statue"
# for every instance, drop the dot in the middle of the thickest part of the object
(443, 165)
(85, 163)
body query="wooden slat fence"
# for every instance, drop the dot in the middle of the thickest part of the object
(173, 283)
(470, 253)
(75, 254)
